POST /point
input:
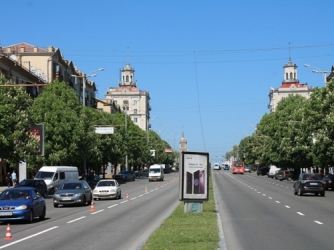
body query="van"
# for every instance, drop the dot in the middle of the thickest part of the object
(156, 173)
(272, 171)
(54, 176)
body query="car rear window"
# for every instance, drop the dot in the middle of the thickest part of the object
(312, 177)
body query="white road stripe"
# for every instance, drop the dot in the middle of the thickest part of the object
(318, 222)
(270, 198)
(300, 213)
(113, 206)
(123, 202)
(277, 202)
(10, 244)
(140, 195)
(287, 206)
(133, 198)
(98, 211)
(76, 219)
(264, 194)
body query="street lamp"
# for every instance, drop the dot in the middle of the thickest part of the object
(84, 77)
(160, 129)
(317, 70)
(126, 132)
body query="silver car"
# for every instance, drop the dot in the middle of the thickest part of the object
(73, 193)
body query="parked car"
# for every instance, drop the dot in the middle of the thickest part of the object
(262, 171)
(272, 171)
(92, 180)
(73, 193)
(22, 203)
(329, 181)
(142, 173)
(285, 175)
(37, 184)
(125, 176)
(106, 189)
(309, 183)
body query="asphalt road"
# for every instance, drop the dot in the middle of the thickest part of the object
(115, 224)
(258, 212)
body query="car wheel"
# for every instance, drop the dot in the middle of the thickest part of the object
(300, 193)
(90, 200)
(322, 194)
(83, 200)
(42, 216)
(31, 217)
(294, 191)
(52, 191)
(55, 205)
(120, 195)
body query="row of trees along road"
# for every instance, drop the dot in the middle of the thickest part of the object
(70, 138)
(299, 134)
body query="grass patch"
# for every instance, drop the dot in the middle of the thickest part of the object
(188, 230)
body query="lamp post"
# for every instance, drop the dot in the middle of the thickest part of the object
(317, 70)
(84, 77)
(160, 129)
(126, 132)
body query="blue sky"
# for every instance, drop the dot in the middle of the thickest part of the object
(208, 65)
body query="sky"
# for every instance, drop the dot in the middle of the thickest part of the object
(208, 65)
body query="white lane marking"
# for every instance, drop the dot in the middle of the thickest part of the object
(264, 194)
(4, 246)
(277, 202)
(300, 213)
(140, 195)
(287, 206)
(133, 198)
(156, 189)
(99, 211)
(113, 206)
(270, 198)
(259, 192)
(76, 219)
(123, 202)
(318, 222)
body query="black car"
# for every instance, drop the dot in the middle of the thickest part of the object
(286, 175)
(226, 167)
(309, 183)
(329, 181)
(92, 180)
(38, 184)
(262, 171)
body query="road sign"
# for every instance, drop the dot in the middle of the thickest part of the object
(104, 130)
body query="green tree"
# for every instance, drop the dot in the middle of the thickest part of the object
(15, 141)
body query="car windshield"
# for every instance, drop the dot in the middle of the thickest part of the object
(155, 170)
(312, 177)
(15, 194)
(106, 184)
(44, 175)
(67, 186)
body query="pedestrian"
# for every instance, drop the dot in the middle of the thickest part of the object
(8, 179)
(14, 178)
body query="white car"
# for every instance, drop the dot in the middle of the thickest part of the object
(216, 166)
(107, 189)
(247, 169)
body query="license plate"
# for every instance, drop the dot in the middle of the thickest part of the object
(314, 184)
(66, 198)
(6, 213)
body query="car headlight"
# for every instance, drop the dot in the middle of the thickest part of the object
(95, 191)
(22, 207)
(78, 194)
(56, 195)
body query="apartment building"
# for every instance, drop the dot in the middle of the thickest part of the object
(290, 86)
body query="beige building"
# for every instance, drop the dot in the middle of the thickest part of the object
(290, 86)
(49, 64)
(183, 143)
(134, 102)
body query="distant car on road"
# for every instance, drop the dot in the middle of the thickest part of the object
(216, 166)
(38, 184)
(92, 180)
(262, 171)
(247, 169)
(125, 176)
(226, 167)
(142, 173)
(329, 181)
(22, 203)
(309, 183)
(73, 193)
(106, 189)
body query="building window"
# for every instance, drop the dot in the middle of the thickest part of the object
(135, 120)
(135, 111)
(127, 78)
(286, 76)
(290, 75)
(135, 102)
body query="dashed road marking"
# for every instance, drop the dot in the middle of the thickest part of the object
(300, 213)
(76, 219)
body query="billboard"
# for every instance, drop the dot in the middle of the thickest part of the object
(194, 171)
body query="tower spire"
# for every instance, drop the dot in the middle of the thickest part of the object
(289, 52)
